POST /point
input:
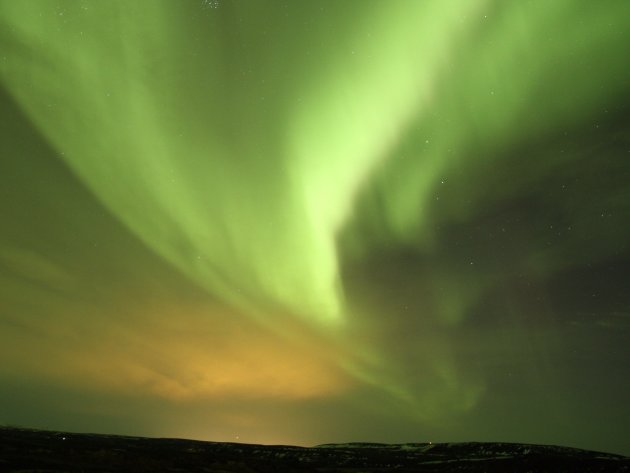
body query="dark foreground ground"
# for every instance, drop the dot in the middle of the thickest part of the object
(24, 450)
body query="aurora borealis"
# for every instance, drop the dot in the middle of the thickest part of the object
(307, 222)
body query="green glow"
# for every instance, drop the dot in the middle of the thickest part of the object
(281, 156)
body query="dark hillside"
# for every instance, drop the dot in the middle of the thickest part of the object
(24, 450)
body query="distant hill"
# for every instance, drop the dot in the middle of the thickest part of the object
(26, 450)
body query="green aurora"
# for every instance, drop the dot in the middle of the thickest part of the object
(322, 221)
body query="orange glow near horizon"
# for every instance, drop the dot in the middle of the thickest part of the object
(205, 357)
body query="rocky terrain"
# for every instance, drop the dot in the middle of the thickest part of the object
(26, 450)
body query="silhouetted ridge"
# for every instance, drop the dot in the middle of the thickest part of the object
(27, 450)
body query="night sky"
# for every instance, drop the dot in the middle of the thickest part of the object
(317, 221)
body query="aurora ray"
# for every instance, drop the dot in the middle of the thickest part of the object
(389, 189)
